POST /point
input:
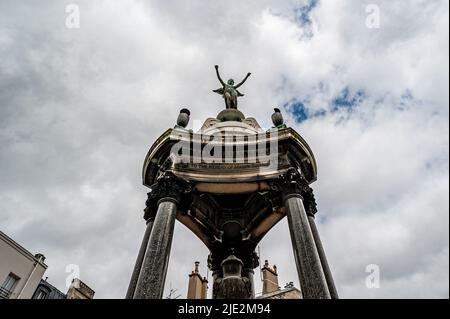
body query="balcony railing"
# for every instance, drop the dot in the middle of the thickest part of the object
(5, 293)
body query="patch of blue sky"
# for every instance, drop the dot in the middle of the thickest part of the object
(347, 100)
(407, 95)
(300, 111)
(303, 13)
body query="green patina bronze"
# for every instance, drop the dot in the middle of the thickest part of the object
(229, 91)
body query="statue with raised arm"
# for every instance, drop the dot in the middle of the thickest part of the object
(229, 91)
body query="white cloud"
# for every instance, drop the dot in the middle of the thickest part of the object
(80, 108)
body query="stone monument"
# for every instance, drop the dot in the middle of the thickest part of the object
(230, 183)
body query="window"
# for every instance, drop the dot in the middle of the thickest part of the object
(8, 286)
(41, 294)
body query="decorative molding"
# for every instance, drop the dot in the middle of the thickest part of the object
(292, 183)
(309, 201)
(167, 186)
(289, 183)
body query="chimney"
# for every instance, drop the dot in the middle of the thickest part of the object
(204, 288)
(270, 278)
(79, 290)
(198, 285)
(40, 257)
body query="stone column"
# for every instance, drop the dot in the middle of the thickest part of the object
(249, 273)
(168, 192)
(323, 259)
(152, 277)
(309, 267)
(216, 277)
(311, 210)
(140, 259)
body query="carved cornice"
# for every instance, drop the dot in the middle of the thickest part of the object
(290, 146)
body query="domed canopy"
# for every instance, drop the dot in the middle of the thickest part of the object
(241, 144)
(231, 164)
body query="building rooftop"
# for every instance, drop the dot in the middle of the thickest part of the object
(37, 257)
(286, 293)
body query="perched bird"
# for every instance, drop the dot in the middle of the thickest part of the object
(183, 118)
(277, 118)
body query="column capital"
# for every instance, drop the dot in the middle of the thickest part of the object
(293, 184)
(309, 201)
(251, 260)
(167, 186)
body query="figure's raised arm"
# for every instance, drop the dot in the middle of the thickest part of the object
(218, 75)
(242, 82)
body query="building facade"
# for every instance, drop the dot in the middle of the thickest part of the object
(45, 290)
(198, 285)
(20, 270)
(79, 290)
(271, 288)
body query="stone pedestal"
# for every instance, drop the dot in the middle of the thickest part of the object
(232, 285)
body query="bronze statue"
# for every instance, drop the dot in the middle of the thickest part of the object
(229, 90)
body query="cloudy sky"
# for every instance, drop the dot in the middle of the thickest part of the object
(79, 108)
